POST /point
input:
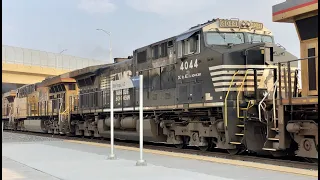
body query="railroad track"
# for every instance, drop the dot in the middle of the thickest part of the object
(295, 162)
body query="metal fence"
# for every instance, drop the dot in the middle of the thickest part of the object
(31, 57)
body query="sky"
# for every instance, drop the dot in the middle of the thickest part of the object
(55, 25)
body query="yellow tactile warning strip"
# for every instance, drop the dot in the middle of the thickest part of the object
(211, 159)
(8, 174)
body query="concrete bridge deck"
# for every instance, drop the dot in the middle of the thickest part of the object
(22, 66)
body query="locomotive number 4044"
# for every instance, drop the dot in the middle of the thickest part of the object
(189, 65)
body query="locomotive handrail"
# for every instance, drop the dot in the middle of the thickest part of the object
(238, 95)
(260, 104)
(226, 98)
(59, 114)
(65, 111)
(274, 102)
(280, 46)
(10, 112)
(293, 60)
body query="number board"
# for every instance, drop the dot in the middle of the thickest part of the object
(256, 25)
(226, 23)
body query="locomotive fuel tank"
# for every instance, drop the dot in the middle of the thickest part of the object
(129, 122)
(34, 125)
(116, 122)
(152, 131)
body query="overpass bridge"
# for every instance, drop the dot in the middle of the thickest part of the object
(22, 66)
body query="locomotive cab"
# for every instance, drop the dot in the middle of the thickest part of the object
(227, 66)
(55, 102)
(224, 46)
(8, 107)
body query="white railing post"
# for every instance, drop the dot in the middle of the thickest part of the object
(112, 156)
(141, 162)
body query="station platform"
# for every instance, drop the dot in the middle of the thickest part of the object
(42, 158)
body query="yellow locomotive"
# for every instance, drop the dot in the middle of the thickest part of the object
(40, 107)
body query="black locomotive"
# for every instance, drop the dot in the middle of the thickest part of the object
(201, 88)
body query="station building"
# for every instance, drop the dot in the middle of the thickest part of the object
(304, 15)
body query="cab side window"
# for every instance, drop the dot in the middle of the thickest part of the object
(190, 45)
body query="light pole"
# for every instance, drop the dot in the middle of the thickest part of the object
(61, 56)
(112, 156)
(110, 49)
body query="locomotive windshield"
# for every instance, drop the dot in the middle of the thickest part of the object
(256, 38)
(225, 38)
(222, 38)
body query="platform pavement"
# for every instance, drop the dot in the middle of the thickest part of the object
(68, 160)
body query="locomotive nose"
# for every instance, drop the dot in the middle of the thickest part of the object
(275, 53)
(267, 54)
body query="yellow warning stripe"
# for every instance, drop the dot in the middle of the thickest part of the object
(313, 173)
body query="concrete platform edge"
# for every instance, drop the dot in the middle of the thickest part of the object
(211, 159)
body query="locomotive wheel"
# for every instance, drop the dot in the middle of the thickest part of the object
(204, 148)
(180, 146)
(312, 160)
(234, 151)
(70, 134)
(184, 143)
(277, 153)
(209, 147)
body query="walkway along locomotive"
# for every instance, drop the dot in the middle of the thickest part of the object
(215, 85)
